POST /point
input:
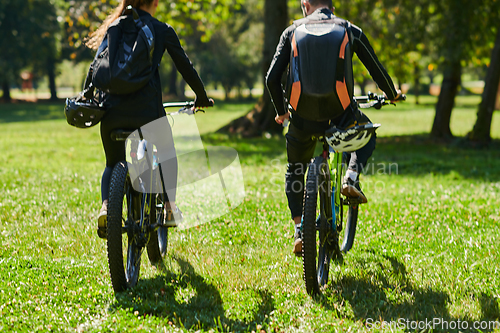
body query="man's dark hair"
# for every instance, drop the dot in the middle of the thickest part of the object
(321, 2)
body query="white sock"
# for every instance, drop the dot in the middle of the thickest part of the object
(351, 174)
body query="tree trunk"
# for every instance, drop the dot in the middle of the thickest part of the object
(482, 129)
(416, 74)
(497, 105)
(362, 86)
(261, 118)
(446, 100)
(172, 83)
(51, 71)
(182, 90)
(6, 92)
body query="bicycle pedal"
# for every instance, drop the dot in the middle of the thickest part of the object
(353, 201)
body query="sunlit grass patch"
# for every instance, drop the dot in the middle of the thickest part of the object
(426, 244)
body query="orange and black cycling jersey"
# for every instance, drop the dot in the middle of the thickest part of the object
(360, 45)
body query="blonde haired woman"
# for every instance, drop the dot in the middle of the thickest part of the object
(131, 111)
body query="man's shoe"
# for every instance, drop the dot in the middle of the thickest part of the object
(173, 217)
(102, 222)
(297, 245)
(351, 189)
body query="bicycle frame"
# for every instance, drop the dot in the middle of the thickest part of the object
(336, 168)
(324, 221)
(145, 198)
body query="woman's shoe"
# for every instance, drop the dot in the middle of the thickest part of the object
(102, 221)
(173, 217)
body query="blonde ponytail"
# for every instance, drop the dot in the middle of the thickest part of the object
(95, 38)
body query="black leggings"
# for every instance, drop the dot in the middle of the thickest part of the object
(300, 146)
(115, 150)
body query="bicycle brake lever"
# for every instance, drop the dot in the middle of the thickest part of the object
(190, 111)
(186, 110)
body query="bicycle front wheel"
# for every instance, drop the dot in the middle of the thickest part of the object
(318, 236)
(348, 209)
(124, 210)
(350, 227)
(157, 246)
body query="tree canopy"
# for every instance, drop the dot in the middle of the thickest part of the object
(29, 31)
(231, 45)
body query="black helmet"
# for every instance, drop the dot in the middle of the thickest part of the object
(82, 114)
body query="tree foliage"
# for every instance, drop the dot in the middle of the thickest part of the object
(226, 39)
(29, 31)
(188, 17)
(232, 57)
(413, 36)
(463, 30)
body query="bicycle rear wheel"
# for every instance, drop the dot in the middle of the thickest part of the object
(318, 236)
(123, 243)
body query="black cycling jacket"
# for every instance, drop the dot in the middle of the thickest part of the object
(360, 45)
(148, 100)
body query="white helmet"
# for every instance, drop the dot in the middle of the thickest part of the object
(350, 139)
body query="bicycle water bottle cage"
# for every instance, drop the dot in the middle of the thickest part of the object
(351, 139)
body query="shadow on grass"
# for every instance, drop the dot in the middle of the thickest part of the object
(419, 155)
(387, 297)
(251, 150)
(28, 111)
(186, 299)
(414, 155)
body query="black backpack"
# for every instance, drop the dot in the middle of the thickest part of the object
(132, 67)
(320, 74)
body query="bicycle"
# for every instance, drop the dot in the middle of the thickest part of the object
(138, 215)
(323, 213)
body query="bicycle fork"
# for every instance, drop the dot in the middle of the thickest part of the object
(335, 162)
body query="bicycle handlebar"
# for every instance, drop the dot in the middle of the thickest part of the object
(178, 104)
(185, 107)
(375, 101)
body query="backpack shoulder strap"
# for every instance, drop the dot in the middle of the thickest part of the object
(145, 31)
(342, 91)
(347, 25)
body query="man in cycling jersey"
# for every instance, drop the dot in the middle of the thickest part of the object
(303, 128)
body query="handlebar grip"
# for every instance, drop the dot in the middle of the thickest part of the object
(188, 104)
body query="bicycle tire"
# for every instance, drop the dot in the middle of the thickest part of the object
(162, 236)
(124, 274)
(157, 246)
(350, 218)
(350, 228)
(154, 249)
(318, 237)
(160, 205)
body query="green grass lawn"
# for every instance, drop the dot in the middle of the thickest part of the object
(427, 243)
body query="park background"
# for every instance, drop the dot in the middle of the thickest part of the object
(427, 242)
